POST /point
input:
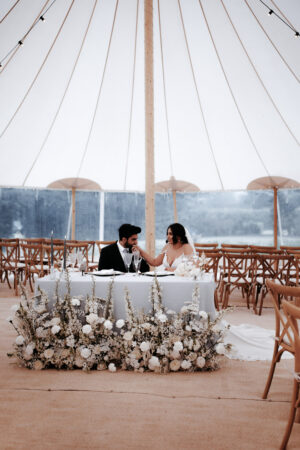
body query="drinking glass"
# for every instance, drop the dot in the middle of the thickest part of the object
(127, 259)
(137, 260)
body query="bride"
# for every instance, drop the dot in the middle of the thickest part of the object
(174, 251)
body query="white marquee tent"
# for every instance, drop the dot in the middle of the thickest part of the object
(226, 91)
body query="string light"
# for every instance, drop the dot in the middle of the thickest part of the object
(20, 42)
(271, 11)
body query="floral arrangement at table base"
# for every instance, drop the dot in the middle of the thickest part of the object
(68, 337)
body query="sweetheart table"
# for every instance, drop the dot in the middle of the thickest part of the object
(175, 290)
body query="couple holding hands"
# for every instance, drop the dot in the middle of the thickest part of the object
(179, 245)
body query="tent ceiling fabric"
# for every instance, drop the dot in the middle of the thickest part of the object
(53, 127)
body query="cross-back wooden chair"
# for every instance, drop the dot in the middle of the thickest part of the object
(294, 275)
(211, 266)
(58, 255)
(239, 272)
(34, 262)
(10, 264)
(292, 313)
(283, 335)
(270, 266)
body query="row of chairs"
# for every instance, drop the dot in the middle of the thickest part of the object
(24, 261)
(248, 269)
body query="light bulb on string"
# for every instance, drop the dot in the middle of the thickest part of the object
(297, 34)
(270, 12)
(20, 43)
(42, 18)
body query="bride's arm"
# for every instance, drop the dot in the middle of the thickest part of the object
(151, 261)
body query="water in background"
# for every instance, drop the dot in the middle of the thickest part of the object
(224, 217)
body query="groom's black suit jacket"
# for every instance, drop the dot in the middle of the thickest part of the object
(111, 258)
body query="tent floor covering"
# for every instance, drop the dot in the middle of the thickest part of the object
(70, 409)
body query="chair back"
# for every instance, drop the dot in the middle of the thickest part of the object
(282, 327)
(58, 254)
(34, 258)
(212, 262)
(234, 246)
(9, 255)
(292, 313)
(274, 266)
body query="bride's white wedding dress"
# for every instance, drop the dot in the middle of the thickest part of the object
(249, 342)
(174, 264)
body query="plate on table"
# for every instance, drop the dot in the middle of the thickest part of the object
(158, 274)
(106, 273)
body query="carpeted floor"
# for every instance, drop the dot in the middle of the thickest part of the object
(220, 410)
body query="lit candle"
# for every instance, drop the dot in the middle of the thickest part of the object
(65, 254)
(52, 248)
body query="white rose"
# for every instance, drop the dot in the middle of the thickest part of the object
(20, 340)
(108, 325)
(86, 329)
(178, 346)
(48, 353)
(112, 367)
(145, 346)
(85, 353)
(220, 349)
(188, 328)
(186, 364)
(120, 323)
(92, 318)
(146, 326)
(75, 302)
(55, 321)
(184, 309)
(200, 362)
(55, 329)
(15, 308)
(29, 349)
(203, 315)
(162, 318)
(40, 332)
(128, 336)
(153, 363)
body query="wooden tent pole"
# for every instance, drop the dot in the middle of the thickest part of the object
(275, 216)
(73, 212)
(149, 129)
(175, 206)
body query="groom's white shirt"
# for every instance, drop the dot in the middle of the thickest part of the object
(122, 250)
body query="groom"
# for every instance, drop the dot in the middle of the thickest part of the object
(111, 257)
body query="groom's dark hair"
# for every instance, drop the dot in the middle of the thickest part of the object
(126, 230)
(178, 231)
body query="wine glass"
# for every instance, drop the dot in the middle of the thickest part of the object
(136, 260)
(127, 259)
(72, 259)
(79, 258)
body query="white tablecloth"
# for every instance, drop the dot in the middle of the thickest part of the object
(175, 290)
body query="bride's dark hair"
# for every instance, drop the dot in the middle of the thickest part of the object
(178, 231)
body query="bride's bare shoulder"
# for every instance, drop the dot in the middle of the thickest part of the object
(187, 249)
